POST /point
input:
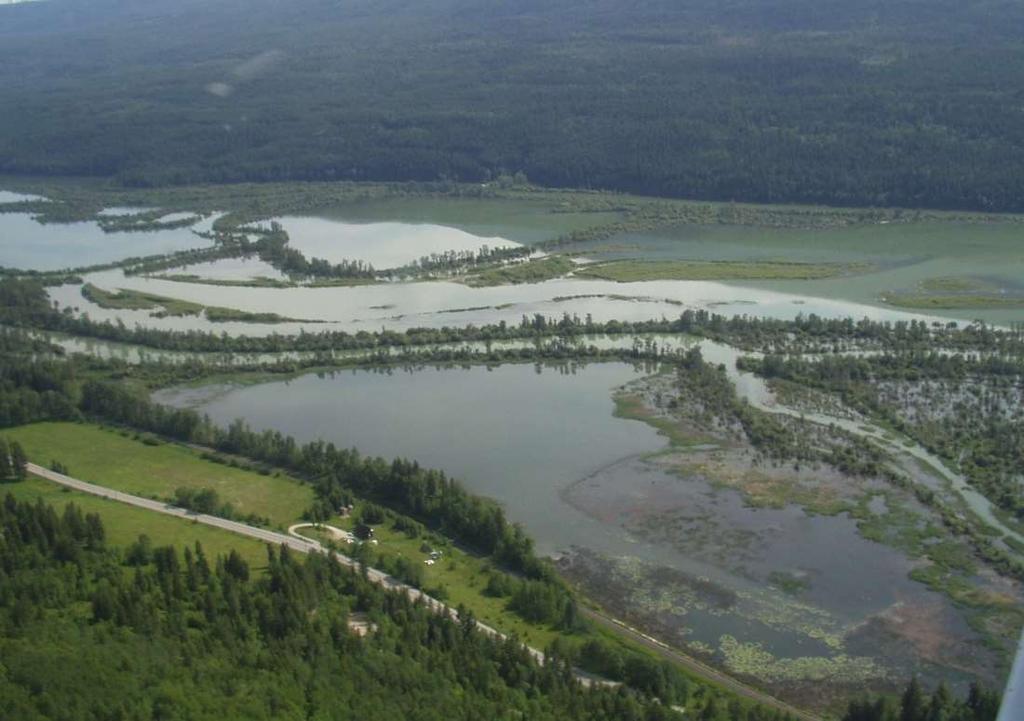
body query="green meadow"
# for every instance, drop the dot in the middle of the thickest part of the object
(124, 524)
(109, 458)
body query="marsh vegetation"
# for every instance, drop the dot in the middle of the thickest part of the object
(712, 524)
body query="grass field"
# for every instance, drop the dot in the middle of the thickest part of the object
(628, 271)
(107, 458)
(957, 292)
(165, 306)
(952, 302)
(137, 300)
(124, 524)
(955, 285)
(462, 575)
(533, 271)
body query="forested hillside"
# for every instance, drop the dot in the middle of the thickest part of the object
(91, 632)
(842, 102)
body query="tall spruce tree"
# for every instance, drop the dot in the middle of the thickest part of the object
(6, 468)
(19, 460)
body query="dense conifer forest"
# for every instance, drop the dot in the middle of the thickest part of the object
(844, 103)
(93, 632)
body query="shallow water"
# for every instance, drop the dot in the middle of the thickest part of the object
(27, 244)
(718, 528)
(543, 441)
(439, 303)
(230, 269)
(8, 196)
(889, 245)
(756, 391)
(901, 255)
(521, 220)
(382, 245)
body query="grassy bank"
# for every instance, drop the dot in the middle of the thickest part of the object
(953, 302)
(165, 306)
(533, 271)
(137, 300)
(262, 282)
(628, 271)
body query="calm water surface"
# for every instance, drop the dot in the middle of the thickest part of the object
(8, 196)
(518, 433)
(26, 244)
(437, 304)
(382, 245)
(544, 442)
(230, 269)
(899, 257)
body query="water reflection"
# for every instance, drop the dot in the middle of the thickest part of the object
(440, 303)
(382, 245)
(27, 244)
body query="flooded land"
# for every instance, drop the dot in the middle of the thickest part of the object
(747, 564)
(800, 576)
(382, 245)
(30, 245)
(903, 264)
(517, 360)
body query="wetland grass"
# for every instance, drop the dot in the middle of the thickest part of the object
(534, 271)
(165, 306)
(629, 271)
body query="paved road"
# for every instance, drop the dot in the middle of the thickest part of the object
(303, 545)
(338, 533)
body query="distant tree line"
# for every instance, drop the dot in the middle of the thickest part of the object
(25, 304)
(455, 260)
(844, 103)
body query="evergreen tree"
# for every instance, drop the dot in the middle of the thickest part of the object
(983, 703)
(912, 705)
(6, 468)
(942, 706)
(980, 705)
(19, 460)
